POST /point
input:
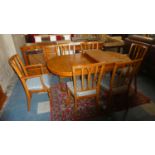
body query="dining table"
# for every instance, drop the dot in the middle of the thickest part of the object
(62, 65)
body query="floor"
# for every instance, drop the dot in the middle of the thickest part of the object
(145, 111)
(15, 108)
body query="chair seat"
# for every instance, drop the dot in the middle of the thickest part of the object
(124, 70)
(70, 85)
(35, 83)
(117, 90)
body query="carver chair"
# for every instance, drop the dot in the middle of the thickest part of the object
(121, 78)
(31, 83)
(86, 82)
(137, 51)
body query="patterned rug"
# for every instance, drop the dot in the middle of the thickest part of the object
(87, 110)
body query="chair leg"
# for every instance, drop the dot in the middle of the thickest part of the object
(68, 97)
(127, 106)
(126, 99)
(60, 79)
(49, 94)
(75, 104)
(60, 82)
(109, 103)
(109, 99)
(135, 84)
(97, 102)
(28, 103)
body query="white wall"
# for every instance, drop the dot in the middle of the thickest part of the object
(19, 40)
(9, 45)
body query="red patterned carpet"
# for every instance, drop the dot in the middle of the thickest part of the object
(87, 107)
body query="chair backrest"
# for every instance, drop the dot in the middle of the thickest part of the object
(90, 76)
(66, 49)
(90, 45)
(33, 53)
(50, 51)
(123, 73)
(137, 51)
(18, 66)
(31, 47)
(20, 70)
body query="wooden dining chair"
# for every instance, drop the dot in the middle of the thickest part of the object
(121, 78)
(50, 51)
(66, 49)
(58, 50)
(32, 53)
(94, 45)
(137, 51)
(31, 84)
(86, 82)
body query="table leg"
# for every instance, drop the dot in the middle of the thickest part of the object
(62, 88)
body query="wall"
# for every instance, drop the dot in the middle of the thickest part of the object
(9, 45)
(19, 40)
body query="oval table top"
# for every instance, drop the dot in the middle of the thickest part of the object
(62, 65)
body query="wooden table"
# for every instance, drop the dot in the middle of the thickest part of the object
(33, 52)
(107, 56)
(62, 65)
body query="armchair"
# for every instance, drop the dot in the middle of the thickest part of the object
(31, 83)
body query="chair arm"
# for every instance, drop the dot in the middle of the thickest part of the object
(35, 66)
(30, 77)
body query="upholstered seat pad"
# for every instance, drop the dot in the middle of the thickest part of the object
(70, 85)
(35, 83)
